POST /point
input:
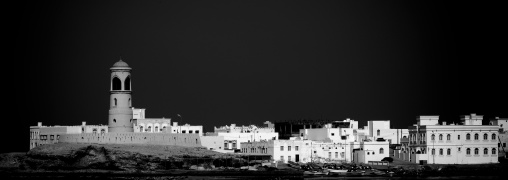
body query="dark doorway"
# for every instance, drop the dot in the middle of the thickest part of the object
(297, 158)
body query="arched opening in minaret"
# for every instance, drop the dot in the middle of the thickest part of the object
(116, 102)
(127, 83)
(117, 84)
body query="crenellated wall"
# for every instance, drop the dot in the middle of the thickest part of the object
(189, 140)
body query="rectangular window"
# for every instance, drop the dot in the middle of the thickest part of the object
(289, 158)
(183, 131)
(458, 137)
(336, 154)
(281, 148)
(296, 148)
(197, 131)
(234, 145)
(225, 145)
(289, 148)
(282, 158)
(52, 137)
(333, 134)
(504, 144)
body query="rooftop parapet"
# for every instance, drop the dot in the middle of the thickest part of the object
(472, 119)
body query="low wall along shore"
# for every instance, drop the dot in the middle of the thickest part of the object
(188, 140)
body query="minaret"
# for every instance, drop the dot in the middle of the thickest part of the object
(120, 112)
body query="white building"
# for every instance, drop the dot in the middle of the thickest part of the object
(329, 133)
(235, 135)
(381, 129)
(371, 151)
(185, 129)
(161, 125)
(470, 143)
(298, 150)
(502, 123)
(151, 125)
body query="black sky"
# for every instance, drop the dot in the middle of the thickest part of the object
(223, 62)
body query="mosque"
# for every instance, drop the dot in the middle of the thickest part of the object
(126, 125)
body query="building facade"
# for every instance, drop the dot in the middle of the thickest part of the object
(40, 135)
(470, 143)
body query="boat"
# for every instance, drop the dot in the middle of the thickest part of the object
(337, 171)
(315, 173)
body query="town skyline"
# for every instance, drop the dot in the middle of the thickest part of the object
(222, 63)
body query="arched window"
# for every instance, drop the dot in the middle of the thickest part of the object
(485, 136)
(381, 151)
(458, 137)
(127, 83)
(117, 84)
(116, 101)
(378, 132)
(440, 151)
(494, 151)
(476, 136)
(94, 131)
(448, 137)
(468, 151)
(433, 137)
(404, 137)
(485, 151)
(433, 151)
(114, 120)
(440, 137)
(468, 136)
(103, 131)
(494, 136)
(476, 151)
(448, 151)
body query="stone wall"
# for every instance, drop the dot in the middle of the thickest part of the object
(189, 140)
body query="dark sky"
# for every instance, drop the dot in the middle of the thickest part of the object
(223, 62)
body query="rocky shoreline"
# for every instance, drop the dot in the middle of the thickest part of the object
(78, 161)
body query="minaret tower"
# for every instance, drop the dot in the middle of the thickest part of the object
(120, 112)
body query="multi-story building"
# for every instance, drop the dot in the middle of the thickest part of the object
(469, 143)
